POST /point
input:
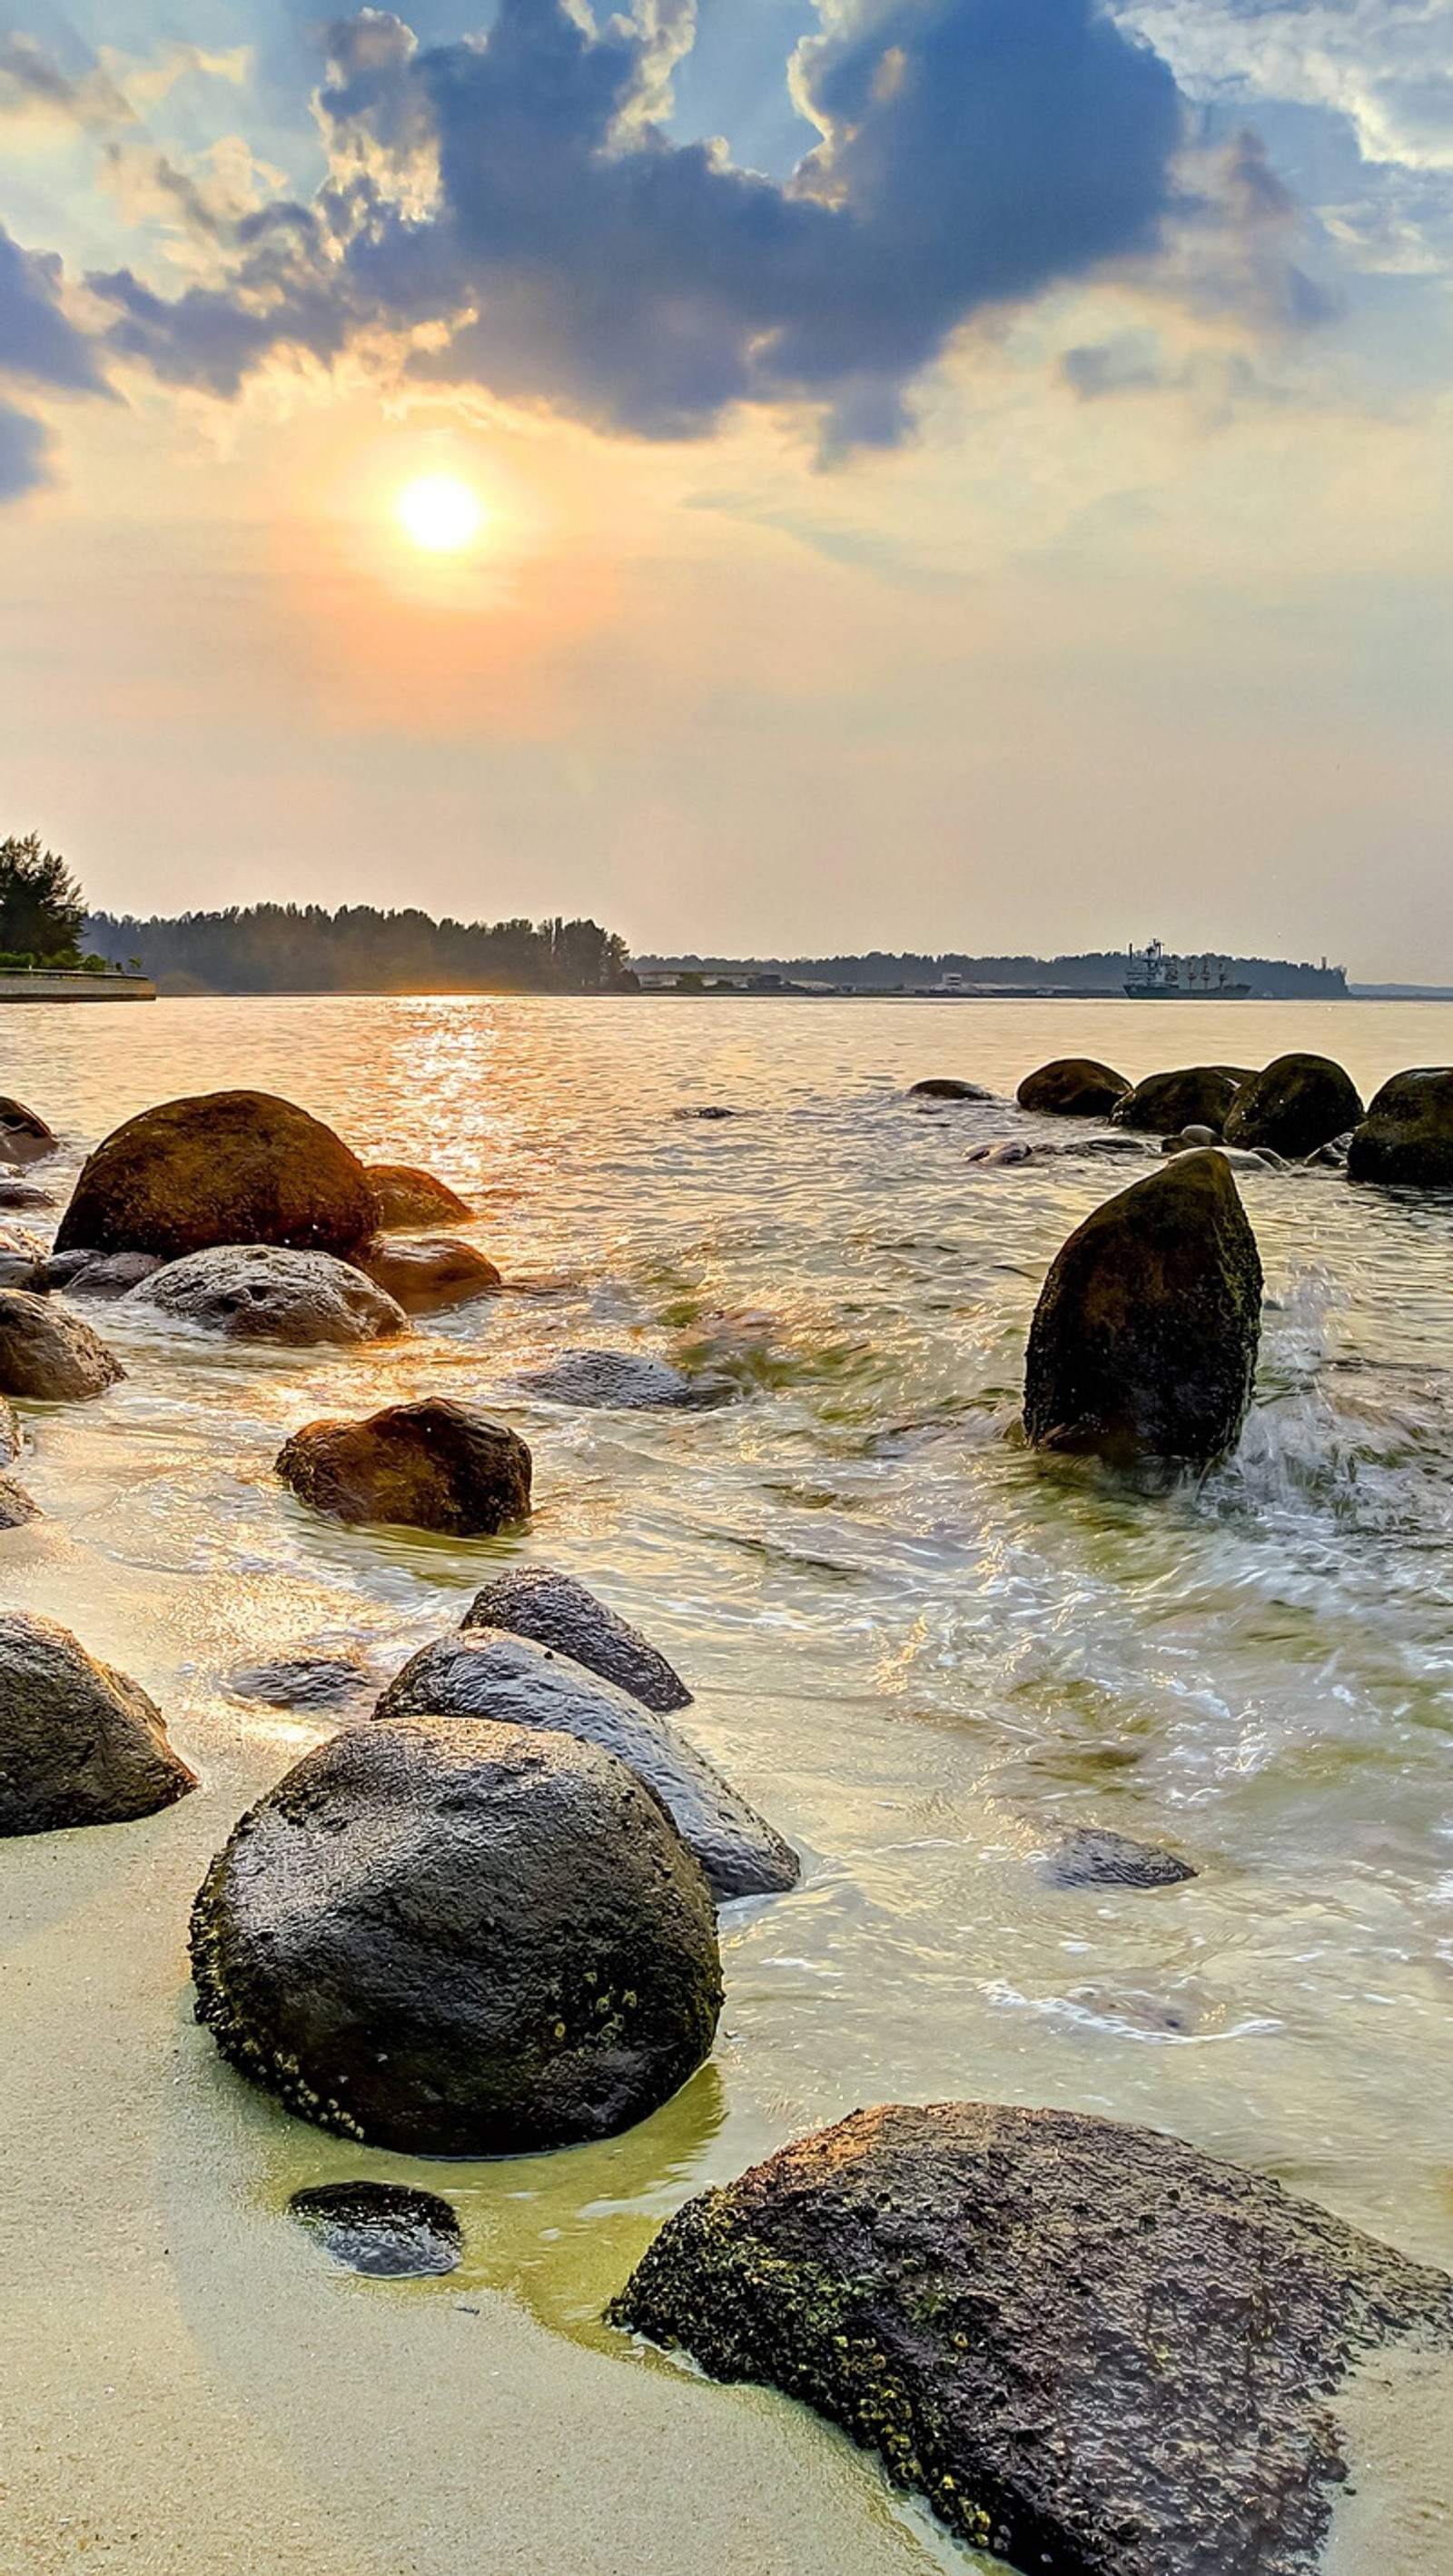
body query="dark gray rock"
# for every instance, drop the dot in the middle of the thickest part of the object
(1293, 1106)
(381, 2229)
(1144, 1342)
(435, 1465)
(1073, 1086)
(942, 1087)
(405, 1196)
(50, 1356)
(1194, 1095)
(458, 1939)
(102, 1275)
(16, 1505)
(23, 1194)
(264, 1292)
(709, 1110)
(623, 1381)
(1095, 2350)
(481, 1672)
(318, 1684)
(1010, 1150)
(24, 1135)
(79, 1743)
(1407, 1135)
(425, 1273)
(1093, 1856)
(536, 1601)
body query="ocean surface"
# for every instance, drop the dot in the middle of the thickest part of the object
(924, 1654)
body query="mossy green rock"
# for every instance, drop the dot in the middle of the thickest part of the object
(1143, 1345)
(1193, 1095)
(1097, 2351)
(1294, 1105)
(1407, 1134)
(226, 1167)
(1073, 1086)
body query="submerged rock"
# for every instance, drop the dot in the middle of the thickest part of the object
(1407, 1134)
(79, 1743)
(435, 1465)
(481, 1672)
(48, 1355)
(404, 1196)
(24, 1135)
(458, 1939)
(1094, 1856)
(103, 1275)
(536, 1601)
(264, 1292)
(1165, 1104)
(426, 1272)
(381, 2229)
(623, 1381)
(16, 1505)
(1143, 1345)
(1296, 1104)
(1010, 1150)
(708, 1109)
(1094, 2349)
(943, 1087)
(228, 1167)
(315, 1683)
(1073, 1086)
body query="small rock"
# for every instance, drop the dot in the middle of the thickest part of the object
(314, 1683)
(623, 1381)
(23, 1194)
(709, 1109)
(107, 1275)
(48, 1355)
(404, 1196)
(942, 1087)
(229, 1167)
(1072, 1087)
(1013, 1151)
(79, 1743)
(426, 1272)
(1165, 1104)
(16, 1505)
(1093, 1856)
(436, 1465)
(381, 2229)
(262, 1292)
(553, 1609)
(24, 1135)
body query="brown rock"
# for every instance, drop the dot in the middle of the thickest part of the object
(424, 1272)
(49, 1355)
(24, 1135)
(1073, 1086)
(229, 1167)
(79, 1743)
(436, 1465)
(405, 1196)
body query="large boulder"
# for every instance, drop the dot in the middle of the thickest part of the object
(1294, 1105)
(404, 1196)
(1143, 1345)
(24, 1135)
(227, 1167)
(1072, 1086)
(1094, 2349)
(556, 1610)
(1194, 1095)
(427, 1272)
(458, 1939)
(435, 1465)
(262, 1292)
(624, 1381)
(79, 1743)
(48, 1355)
(481, 1672)
(1407, 1134)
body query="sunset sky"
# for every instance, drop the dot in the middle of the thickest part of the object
(954, 473)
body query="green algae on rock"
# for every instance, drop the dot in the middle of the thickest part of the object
(1094, 2349)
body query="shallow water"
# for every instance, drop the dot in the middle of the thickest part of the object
(923, 1654)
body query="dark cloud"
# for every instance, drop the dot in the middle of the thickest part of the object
(23, 444)
(36, 339)
(521, 192)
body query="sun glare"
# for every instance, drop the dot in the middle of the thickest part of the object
(440, 513)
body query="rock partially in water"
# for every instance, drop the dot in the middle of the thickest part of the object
(458, 1939)
(24, 1136)
(552, 1608)
(435, 1465)
(1144, 1342)
(228, 1167)
(10, 1436)
(1165, 1104)
(1094, 2349)
(79, 1743)
(482, 1672)
(23, 1194)
(708, 1109)
(1094, 1856)
(624, 1381)
(943, 1087)
(262, 1292)
(381, 2229)
(1072, 1086)
(317, 1684)
(425, 1273)
(403, 1196)
(1009, 1151)
(102, 1275)
(1407, 1135)
(16, 1505)
(1294, 1105)
(50, 1356)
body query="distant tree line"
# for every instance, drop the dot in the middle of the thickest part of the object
(42, 909)
(1098, 968)
(301, 948)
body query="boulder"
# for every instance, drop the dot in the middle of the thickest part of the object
(1296, 1104)
(1195, 1095)
(1407, 1134)
(318, 1684)
(1094, 2349)
(79, 1743)
(456, 1939)
(1073, 1086)
(943, 1087)
(535, 1601)
(481, 1672)
(435, 1465)
(227, 1167)
(262, 1292)
(381, 2229)
(24, 1135)
(16, 1505)
(24, 1194)
(103, 1275)
(1093, 1856)
(1143, 1345)
(623, 1381)
(405, 1196)
(48, 1355)
(425, 1272)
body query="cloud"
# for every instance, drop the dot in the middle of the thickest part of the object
(516, 202)
(42, 346)
(23, 444)
(1383, 64)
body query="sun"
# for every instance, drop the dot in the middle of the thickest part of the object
(440, 512)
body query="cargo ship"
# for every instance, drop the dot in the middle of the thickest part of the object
(1156, 976)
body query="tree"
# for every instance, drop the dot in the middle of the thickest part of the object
(42, 909)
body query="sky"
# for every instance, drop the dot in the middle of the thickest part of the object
(780, 476)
